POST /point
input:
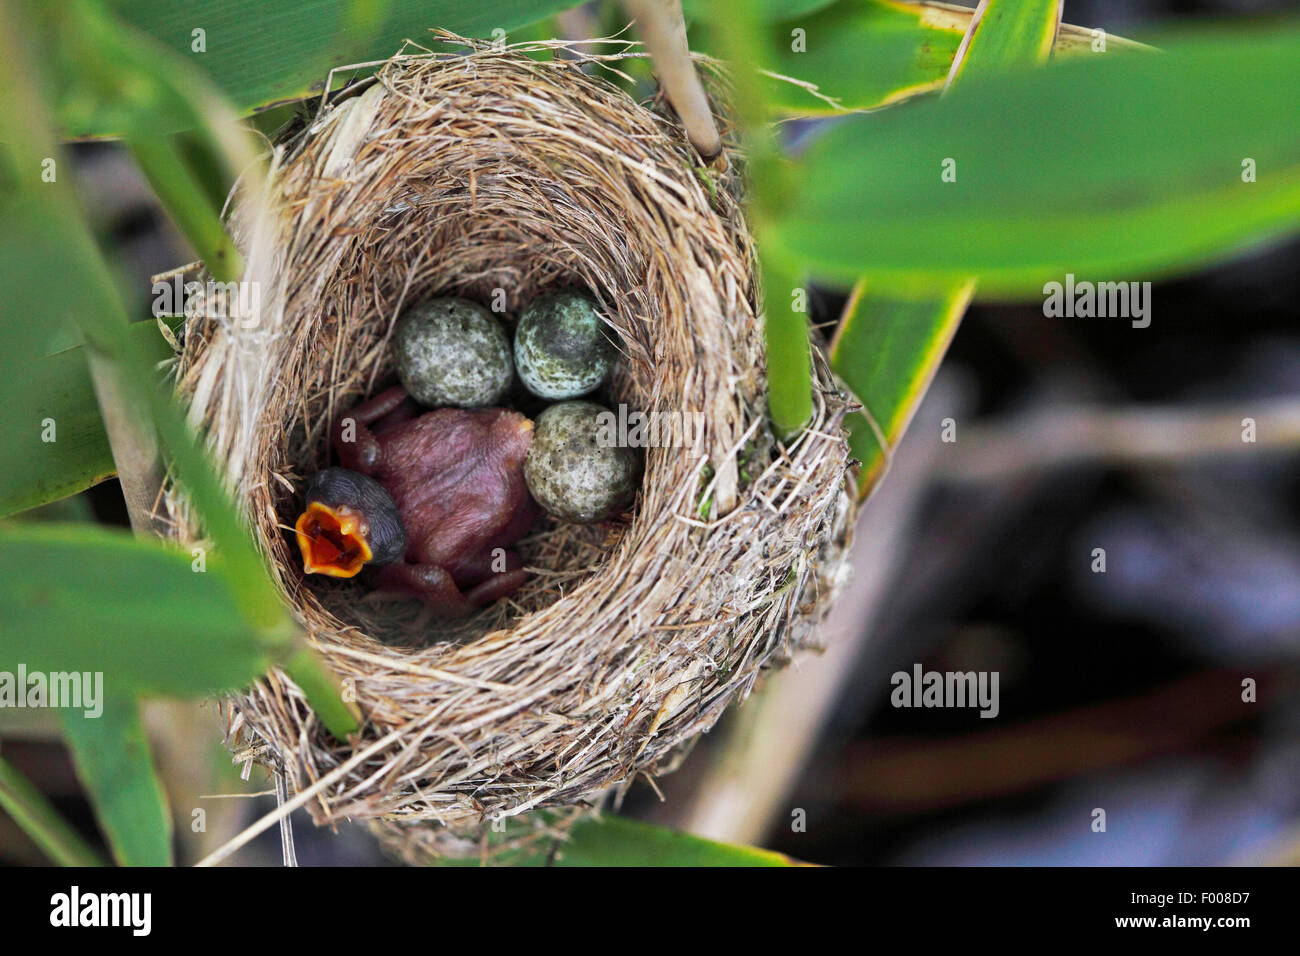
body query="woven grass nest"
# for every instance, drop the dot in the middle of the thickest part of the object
(461, 173)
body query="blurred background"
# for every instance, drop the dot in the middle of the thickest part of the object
(1118, 690)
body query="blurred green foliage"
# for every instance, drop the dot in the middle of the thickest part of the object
(259, 53)
(1114, 169)
(892, 337)
(58, 447)
(611, 841)
(111, 754)
(1107, 165)
(40, 821)
(84, 598)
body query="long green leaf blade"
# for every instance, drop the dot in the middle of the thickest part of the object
(865, 54)
(858, 54)
(889, 344)
(57, 402)
(83, 599)
(1106, 168)
(113, 761)
(260, 53)
(40, 821)
(887, 349)
(1009, 33)
(618, 841)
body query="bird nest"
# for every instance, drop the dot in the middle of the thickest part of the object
(485, 173)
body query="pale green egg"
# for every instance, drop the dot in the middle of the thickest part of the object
(562, 349)
(573, 471)
(452, 352)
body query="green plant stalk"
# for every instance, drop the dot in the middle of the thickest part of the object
(209, 167)
(183, 195)
(260, 603)
(322, 688)
(787, 342)
(789, 357)
(42, 822)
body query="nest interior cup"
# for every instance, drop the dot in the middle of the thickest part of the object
(492, 175)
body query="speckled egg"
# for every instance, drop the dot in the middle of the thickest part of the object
(572, 469)
(452, 352)
(561, 346)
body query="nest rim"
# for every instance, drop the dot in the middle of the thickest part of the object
(618, 656)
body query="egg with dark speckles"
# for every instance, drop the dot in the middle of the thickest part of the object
(573, 470)
(452, 352)
(562, 349)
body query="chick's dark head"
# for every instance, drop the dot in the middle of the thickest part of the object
(349, 521)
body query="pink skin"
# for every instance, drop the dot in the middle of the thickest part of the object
(456, 476)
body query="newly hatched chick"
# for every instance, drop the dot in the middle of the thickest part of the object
(455, 485)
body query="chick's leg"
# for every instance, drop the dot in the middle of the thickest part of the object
(351, 437)
(434, 585)
(497, 586)
(491, 562)
(428, 582)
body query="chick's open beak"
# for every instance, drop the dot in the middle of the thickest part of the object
(332, 540)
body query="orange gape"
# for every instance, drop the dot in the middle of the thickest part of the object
(332, 540)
